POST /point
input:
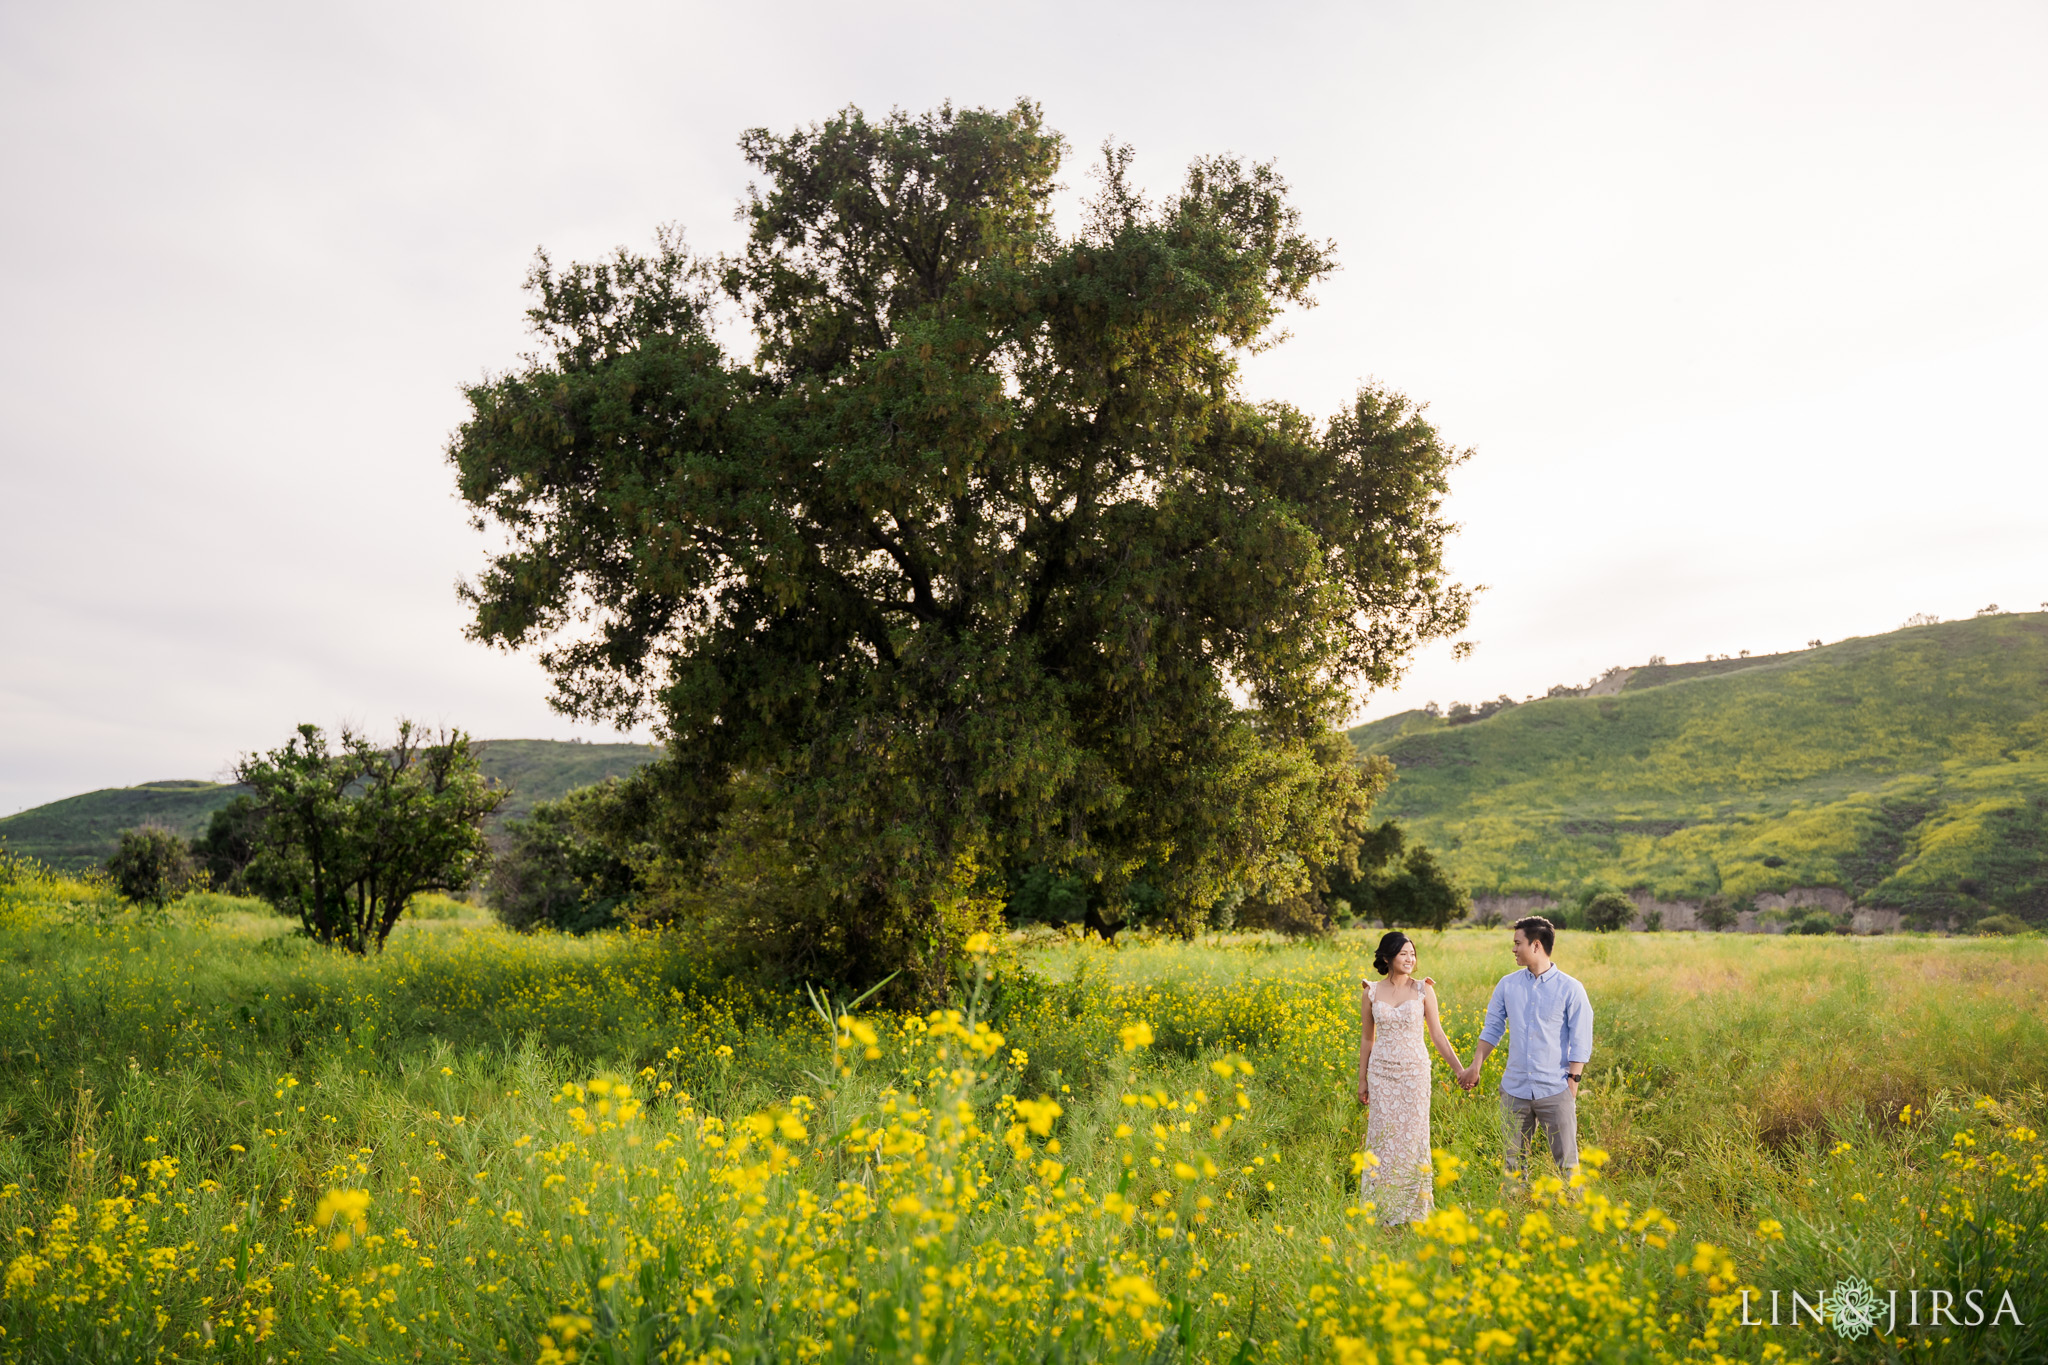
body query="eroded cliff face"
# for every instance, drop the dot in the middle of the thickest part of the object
(1684, 914)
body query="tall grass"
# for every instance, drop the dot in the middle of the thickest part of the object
(217, 1140)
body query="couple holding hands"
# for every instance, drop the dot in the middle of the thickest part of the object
(1548, 1021)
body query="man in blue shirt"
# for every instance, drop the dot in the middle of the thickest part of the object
(1549, 1023)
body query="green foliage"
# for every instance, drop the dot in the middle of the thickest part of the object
(1377, 877)
(969, 563)
(1718, 913)
(559, 870)
(229, 844)
(761, 904)
(1415, 892)
(347, 838)
(1608, 911)
(1043, 895)
(532, 771)
(1909, 770)
(152, 866)
(2003, 924)
(81, 832)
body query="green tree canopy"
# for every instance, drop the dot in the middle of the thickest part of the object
(1608, 911)
(348, 836)
(152, 866)
(557, 870)
(1397, 883)
(227, 847)
(982, 558)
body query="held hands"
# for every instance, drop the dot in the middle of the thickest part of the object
(1468, 1076)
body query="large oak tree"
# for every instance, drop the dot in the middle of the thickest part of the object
(981, 560)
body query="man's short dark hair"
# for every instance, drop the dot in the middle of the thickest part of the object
(1537, 929)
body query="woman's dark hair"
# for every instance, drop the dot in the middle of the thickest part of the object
(1389, 949)
(1537, 929)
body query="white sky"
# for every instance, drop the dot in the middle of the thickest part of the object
(1743, 307)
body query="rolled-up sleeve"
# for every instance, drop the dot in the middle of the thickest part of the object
(1578, 1026)
(1496, 1018)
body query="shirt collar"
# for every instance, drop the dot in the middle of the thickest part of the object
(1538, 976)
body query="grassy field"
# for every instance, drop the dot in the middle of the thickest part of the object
(79, 832)
(1909, 769)
(221, 1142)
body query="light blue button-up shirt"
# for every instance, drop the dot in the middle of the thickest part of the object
(1550, 1019)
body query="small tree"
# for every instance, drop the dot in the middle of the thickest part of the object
(559, 869)
(1401, 885)
(349, 836)
(1608, 911)
(1716, 914)
(153, 866)
(229, 845)
(1423, 894)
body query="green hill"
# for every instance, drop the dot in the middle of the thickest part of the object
(80, 831)
(548, 769)
(1908, 770)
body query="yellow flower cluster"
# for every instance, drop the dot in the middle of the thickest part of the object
(104, 1275)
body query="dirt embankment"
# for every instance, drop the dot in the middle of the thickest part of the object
(1684, 914)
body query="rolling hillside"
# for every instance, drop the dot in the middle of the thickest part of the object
(1907, 770)
(80, 831)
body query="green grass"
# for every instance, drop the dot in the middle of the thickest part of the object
(79, 832)
(1728, 1074)
(1908, 770)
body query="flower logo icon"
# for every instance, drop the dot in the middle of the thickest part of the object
(1855, 1308)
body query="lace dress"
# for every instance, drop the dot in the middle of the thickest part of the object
(1401, 1186)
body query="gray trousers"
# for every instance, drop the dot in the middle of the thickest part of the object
(1559, 1115)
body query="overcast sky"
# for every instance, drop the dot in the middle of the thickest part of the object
(1743, 309)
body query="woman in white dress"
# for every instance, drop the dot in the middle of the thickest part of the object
(1393, 1083)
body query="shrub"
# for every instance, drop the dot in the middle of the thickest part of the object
(2003, 924)
(1417, 893)
(1461, 714)
(559, 870)
(1608, 911)
(1717, 913)
(1817, 922)
(1653, 921)
(152, 866)
(1389, 881)
(228, 846)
